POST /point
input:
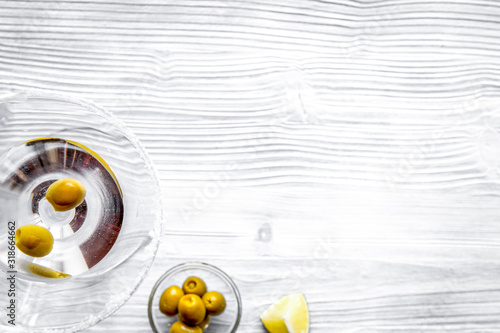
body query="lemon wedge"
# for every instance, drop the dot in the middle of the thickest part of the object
(289, 315)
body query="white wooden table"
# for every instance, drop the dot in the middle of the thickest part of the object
(349, 150)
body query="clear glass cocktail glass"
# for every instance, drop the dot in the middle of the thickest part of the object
(107, 244)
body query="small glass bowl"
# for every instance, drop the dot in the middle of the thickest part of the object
(215, 279)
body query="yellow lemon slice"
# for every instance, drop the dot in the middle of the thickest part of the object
(289, 315)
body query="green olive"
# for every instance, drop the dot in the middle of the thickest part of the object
(180, 327)
(34, 240)
(194, 285)
(214, 302)
(45, 271)
(170, 299)
(192, 310)
(65, 194)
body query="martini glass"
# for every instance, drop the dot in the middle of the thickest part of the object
(104, 247)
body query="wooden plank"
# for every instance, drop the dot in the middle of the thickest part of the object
(347, 150)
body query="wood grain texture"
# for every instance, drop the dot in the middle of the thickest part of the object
(348, 150)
